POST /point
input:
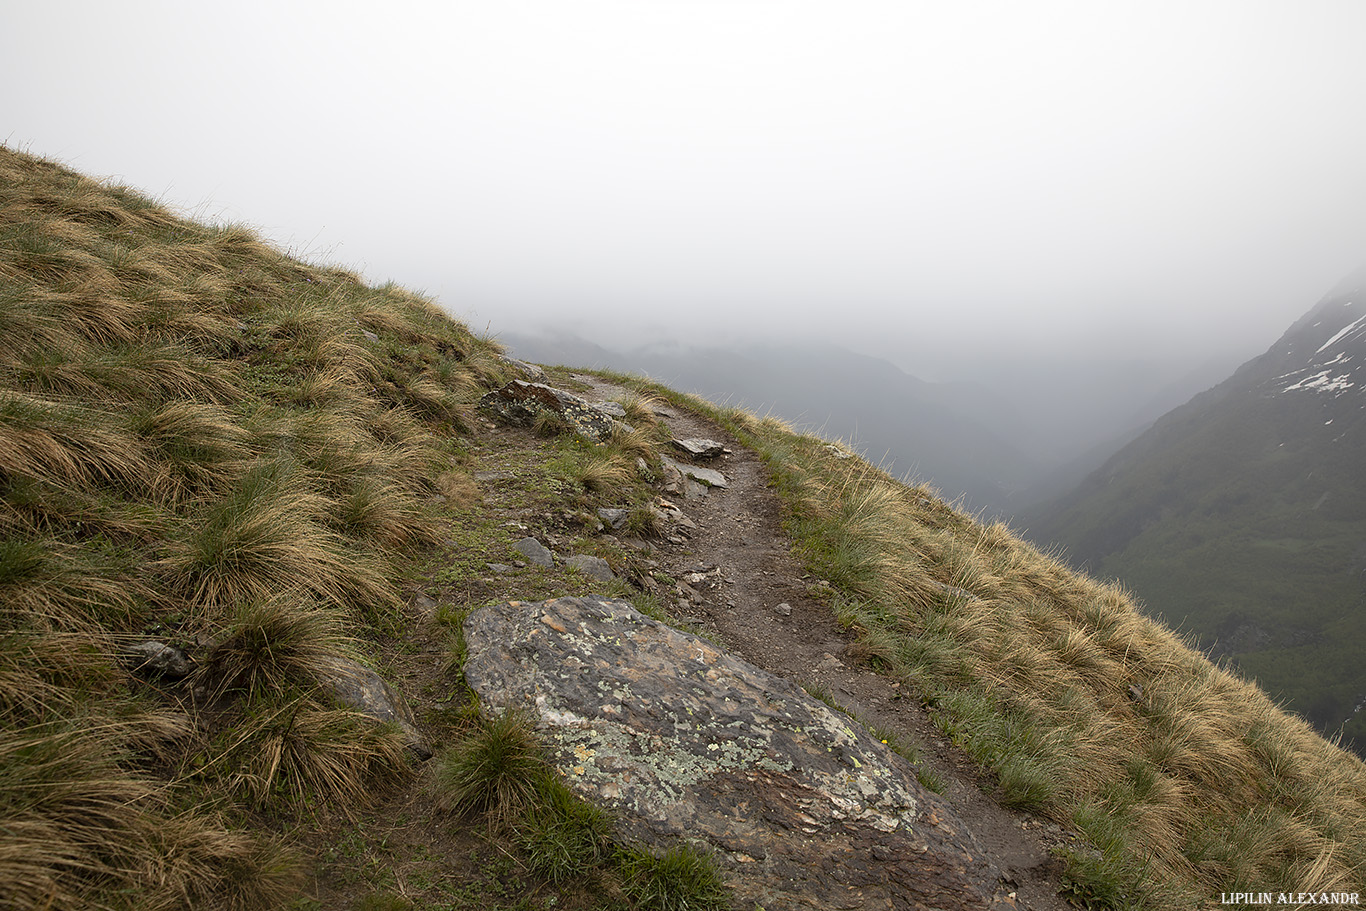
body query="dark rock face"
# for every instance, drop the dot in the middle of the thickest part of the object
(520, 402)
(801, 805)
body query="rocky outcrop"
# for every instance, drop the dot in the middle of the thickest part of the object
(521, 402)
(801, 805)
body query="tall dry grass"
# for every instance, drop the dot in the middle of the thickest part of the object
(1190, 781)
(202, 436)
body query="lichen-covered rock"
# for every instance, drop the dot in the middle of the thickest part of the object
(803, 806)
(519, 402)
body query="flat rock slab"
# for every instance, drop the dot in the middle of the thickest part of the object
(699, 448)
(803, 808)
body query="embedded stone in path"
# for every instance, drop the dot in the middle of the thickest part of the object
(699, 448)
(803, 808)
(708, 476)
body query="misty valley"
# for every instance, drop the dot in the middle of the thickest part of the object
(1230, 501)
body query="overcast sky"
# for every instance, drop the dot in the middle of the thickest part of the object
(1115, 175)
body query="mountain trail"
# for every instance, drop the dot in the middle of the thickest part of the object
(740, 581)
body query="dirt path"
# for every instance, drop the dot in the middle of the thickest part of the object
(738, 577)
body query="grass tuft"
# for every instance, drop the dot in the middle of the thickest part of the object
(681, 879)
(496, 772)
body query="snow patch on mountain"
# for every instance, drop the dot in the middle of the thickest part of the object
(1322, 382)
(1350, 327)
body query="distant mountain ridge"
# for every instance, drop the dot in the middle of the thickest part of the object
(979, 441)
(928, 430)
(1241, 515)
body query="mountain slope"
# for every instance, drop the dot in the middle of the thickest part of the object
(210, 448)
(1241, 516)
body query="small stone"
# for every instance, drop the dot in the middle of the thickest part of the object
(596, 567)
(362, 690)
(699, 448)
(535, 551)
(709, 476)
(612, 409)
(829, 662)
(499, 567)
(615, 518)
(157, 659)
(783, 610)
(530, 371)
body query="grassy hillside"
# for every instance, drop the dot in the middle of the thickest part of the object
(1185, 778)
(201, 441)
(1241, 518)
(206, 442)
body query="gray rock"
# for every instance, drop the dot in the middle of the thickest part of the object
(157, 659)
(530, 371)
(783, 610)
(681, 739)
(615, 518)
(709, 476)
(611, 409)
(699, 448)
(520, 402)
(535, 552)
(362, 690)
(596, 567)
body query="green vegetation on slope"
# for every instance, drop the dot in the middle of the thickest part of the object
(1188, 780)
(1239, 518)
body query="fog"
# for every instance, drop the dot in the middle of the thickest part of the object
(944, 185)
